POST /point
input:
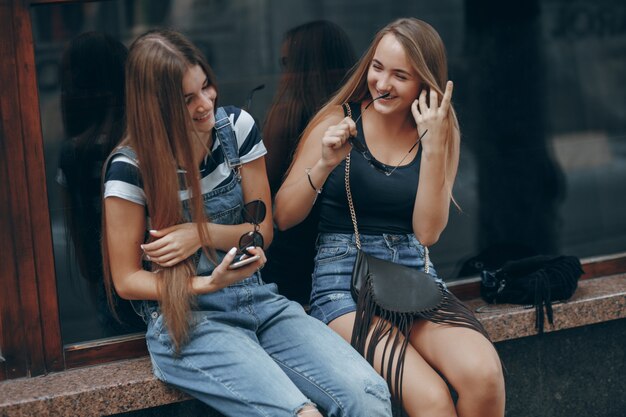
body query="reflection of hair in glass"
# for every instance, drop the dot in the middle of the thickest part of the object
(92, 82)
(315, 58)
(92, 104)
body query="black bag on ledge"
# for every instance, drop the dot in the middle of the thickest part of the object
(536, 281)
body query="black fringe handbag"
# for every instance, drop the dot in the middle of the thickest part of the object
(398, 295)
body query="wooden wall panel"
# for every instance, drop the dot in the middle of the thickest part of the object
(102, 351)
(31, 341)
(11, 333)
(36, 179)
(12, 226)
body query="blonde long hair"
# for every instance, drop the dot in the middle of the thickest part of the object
(426, 53)
(160, 130)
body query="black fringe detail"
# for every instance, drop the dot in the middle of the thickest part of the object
(451, 311)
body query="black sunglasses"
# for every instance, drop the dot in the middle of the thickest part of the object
(248, 103)
(361, 146)
(253, 212)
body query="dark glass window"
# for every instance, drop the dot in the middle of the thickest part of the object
(538, 92)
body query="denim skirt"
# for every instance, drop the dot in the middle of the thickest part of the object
(334, 261)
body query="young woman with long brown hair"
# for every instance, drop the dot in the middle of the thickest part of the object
(184, 198)
(405, 132)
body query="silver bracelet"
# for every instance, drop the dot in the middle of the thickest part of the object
(318, 191)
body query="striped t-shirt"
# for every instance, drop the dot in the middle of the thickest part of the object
(123, 178)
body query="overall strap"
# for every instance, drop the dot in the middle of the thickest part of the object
(127, 151)
(226, 135)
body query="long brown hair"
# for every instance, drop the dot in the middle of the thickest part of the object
(317, 56)
(92, 106)
(160, 130)
(426, 53)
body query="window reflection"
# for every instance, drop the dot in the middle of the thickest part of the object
(520, 186)
(537, 90)
(92, 109)
(314, 59)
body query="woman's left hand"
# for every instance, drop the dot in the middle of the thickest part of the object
(172, 245)
(433, 116)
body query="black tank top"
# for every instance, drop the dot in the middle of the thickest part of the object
(383, 204)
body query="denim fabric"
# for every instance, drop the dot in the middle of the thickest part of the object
(252, 352)
(330, 295)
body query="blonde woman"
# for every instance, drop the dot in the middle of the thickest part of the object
(193, 175)
(402, 133)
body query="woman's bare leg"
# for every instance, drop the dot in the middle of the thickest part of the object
(468, 361)
(425, 393)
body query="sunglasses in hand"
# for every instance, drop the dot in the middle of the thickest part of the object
(253, 212)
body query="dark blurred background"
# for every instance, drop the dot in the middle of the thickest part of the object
(538, 91)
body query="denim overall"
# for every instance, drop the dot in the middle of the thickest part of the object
(251, 351)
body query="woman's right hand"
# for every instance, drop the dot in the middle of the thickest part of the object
(222, 276)
(310, 168)
(335, 145)
(172, 245)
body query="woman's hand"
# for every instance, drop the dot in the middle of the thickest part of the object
(312, 164)
(222, 276)
(334, 143)
(433, 117)
(172, 245)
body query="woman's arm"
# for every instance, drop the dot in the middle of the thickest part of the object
(437, 168)
(321, 151)
(176, 243)
(125, 227)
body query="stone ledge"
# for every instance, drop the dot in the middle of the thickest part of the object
(129, 385)
(596, 300)
(87, 392)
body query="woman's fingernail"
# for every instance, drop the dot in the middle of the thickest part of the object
(148, 257)
(250, 247)
(232, 251)
(153, 231)
(142, 247)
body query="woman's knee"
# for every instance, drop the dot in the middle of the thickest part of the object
(481, 378)
(434, 400)
(370, 398)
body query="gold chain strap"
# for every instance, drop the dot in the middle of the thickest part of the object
(357, 236)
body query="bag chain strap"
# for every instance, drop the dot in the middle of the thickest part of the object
(357, 236)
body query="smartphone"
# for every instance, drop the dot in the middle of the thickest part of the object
(244, 262)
